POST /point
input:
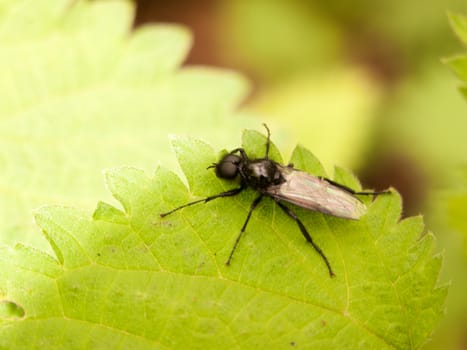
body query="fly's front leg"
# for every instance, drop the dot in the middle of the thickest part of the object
(229, 193)
(242, 153)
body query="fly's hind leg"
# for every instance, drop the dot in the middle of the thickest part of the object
(351, 191)
(307, 236)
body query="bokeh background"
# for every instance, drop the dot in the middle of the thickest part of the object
(362, 84)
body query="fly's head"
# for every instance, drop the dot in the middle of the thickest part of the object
(229, 166)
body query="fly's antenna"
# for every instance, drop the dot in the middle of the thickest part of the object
(213, 165)
(268, 141)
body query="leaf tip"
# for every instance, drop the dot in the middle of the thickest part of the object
(458, 24)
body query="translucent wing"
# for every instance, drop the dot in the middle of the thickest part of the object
(314, 193)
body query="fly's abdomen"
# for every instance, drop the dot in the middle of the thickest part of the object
(313, 193)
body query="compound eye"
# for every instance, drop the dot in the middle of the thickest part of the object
(227, 168)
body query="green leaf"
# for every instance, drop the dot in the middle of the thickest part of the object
(82, 91)
(305, 160)
(426, 108)
(459, 62)
(348, 179)
(459, 65)
(459, 25)
(128, 279)
(304, 40)
(453, 202)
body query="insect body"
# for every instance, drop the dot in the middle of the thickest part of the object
(316, 193)
(285, 184)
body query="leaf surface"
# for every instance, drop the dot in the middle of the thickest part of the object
(82, 91)
(127, 278)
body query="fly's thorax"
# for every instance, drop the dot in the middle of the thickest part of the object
(262, 173)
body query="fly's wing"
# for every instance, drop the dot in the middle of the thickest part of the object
(313, 193)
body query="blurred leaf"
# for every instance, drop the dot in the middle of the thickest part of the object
(408, 32)
(459, 25)
(447, 215)
(457, 199)
(457, 205)
(331, 114)
(129, 279)
(426, 119)
(447, 211)
(81, 92)
(277, 39)
(459, 65)
(455, 195)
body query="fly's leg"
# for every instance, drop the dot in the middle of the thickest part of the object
(307, 236)
(229, 193)
(351, 191)
(242, 153)
(252, 207)
(268, 141)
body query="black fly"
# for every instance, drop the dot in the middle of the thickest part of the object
(284, 183)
